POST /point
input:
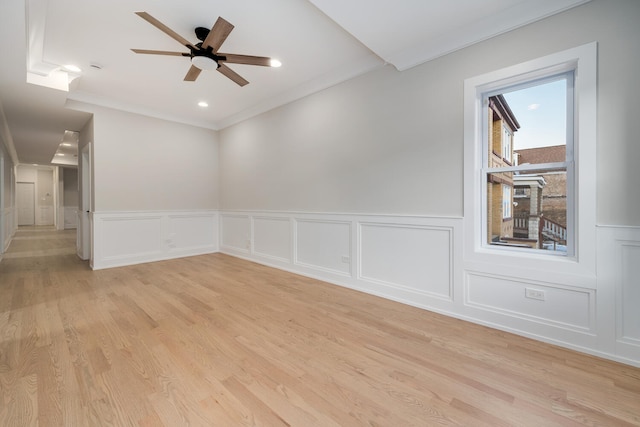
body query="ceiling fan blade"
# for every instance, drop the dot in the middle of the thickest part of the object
(237, 78)
(168, 31)
(246, 59)
(192, 74)
(218, 34)
(160, 52)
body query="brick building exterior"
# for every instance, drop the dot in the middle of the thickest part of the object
(523, 209)
(554, 196)
(502, 126)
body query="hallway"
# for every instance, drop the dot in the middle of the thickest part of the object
(41, 241)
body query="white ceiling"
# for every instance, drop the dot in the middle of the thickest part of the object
(319, 42)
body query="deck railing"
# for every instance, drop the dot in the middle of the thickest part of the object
(547, 229)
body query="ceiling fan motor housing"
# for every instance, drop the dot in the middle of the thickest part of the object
(202, 33)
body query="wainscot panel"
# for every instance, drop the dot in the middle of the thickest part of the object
(235, 233)
(545, 303)
(630, 292)
(619, 289)
(126, 238)
(272, 238)
(191, 231)
(324, 245)
(415, 257)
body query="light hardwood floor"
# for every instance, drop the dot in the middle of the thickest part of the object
(217, 341)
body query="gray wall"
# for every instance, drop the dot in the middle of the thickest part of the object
(142, 163)
(70, 187)
(7, 191)
(392, 142)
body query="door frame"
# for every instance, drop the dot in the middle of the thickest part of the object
(84, 241)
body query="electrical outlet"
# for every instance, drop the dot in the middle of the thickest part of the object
(346, 259)
(534, 294)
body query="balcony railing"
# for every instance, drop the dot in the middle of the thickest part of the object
(547, 229)
(551, 230)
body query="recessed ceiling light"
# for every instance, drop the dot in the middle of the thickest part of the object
(66, 144)
(72, 68)
(59, 154)
(203, 104)
(275, 63)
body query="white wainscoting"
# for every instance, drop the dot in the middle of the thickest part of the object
(562, 307)
(70, 217)
(125, 238)
(324, 245)
(417, 258)
(619, 287)
(419, 261)
(407, 259)
(235, 233)
(272, 238)
(8, 224)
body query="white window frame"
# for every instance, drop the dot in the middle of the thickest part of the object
(507, 139)
(543, 264)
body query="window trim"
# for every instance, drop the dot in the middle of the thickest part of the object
(583, 60)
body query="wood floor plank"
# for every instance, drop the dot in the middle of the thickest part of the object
(216, 340)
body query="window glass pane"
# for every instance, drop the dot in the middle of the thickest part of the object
(540, 112)
(527, 125)
(532, 215)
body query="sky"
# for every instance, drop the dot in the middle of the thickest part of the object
(541, 112)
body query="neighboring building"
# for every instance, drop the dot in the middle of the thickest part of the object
(540, 208)
(502, 126)
(527, 209)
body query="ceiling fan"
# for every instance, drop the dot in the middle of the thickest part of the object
(205, 55)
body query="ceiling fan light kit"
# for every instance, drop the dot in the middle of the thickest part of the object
(204, 55)
(204, 62)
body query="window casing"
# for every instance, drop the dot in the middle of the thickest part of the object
(580, 64)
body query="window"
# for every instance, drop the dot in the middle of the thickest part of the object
(520, 205)
(506, 144)
(506, 201)
(534, 119)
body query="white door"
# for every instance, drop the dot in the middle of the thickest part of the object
(26, 203)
